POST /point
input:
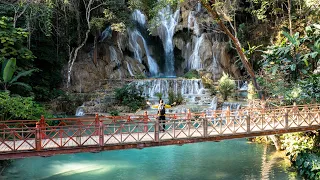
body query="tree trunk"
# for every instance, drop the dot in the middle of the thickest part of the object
(235, 41)
(276, 141)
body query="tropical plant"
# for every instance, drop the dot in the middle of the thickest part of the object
(17, 107)
(159, 95)
(192, 74)
(226, 86)
(131, 96)
(7, 71)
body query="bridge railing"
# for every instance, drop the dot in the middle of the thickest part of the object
(21, 135)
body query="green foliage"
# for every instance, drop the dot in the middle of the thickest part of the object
(308, 165)
(17, 107)
(211, 87)
(226, 86)
(296, 143)
(252, 94)
(192, 74)
(140, 76)
(171, 97)
(159, 95)
(114, 113)
(131, 96)
(12, 40)
(175, 97)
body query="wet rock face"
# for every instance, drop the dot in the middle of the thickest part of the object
(128, 55)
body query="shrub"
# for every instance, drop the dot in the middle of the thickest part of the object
(131, 96)
(192, 74)
(226, 86)
(178, 98)
(17, 107)
(159, 95)
(171, 97)
(114, 113)
(140, 76)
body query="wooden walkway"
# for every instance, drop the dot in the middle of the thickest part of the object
(20, 139)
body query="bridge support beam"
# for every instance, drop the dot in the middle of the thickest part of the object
(38, 136)
(248, 123)
(101, 133)
(156, 130)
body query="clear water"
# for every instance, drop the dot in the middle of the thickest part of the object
(225, 160)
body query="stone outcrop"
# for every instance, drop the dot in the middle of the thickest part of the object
(198, 46)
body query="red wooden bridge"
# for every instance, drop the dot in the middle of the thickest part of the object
(47, 137)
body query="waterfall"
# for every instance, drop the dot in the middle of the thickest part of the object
(194, 61)
(80, 111)
(231, 105)
(216, 54)
(139, 17)
(129, 69)
(107, 33)
(138, 44)
(186, 87)
(135, 37)
(214, 103)
(114, 56)
(168, 22)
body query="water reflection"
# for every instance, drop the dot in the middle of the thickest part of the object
(232, 159)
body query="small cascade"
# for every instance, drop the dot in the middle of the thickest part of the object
(216, 54)
(214, 103)
(80, 111)
(187, 87)
(168, 22)
(193, 24)
(129, 69)
(243, 86)
(231, 105)
(139, 17)
(107, 33)
(138, 44)
(114, 56)
(194, 61)
(198, 7)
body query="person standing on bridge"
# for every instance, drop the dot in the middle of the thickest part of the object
(162, 116)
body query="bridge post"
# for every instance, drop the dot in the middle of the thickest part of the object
(38, 136)
(248, 123)
(286, 119)
(43, 127)
(189, 121)
(205, 125)
(145, 119)
(228, 113)
(96, 123)
(101, 133)
(156, 130)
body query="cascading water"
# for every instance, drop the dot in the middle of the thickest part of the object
(114, 56)
(129, 69)
(137, 44)
(186, 87)
(194, 61)
(166, 29)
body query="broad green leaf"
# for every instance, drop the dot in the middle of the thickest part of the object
(20, 74)
(8, 68)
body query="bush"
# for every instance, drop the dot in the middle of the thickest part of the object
(140, 76)
(171, 97)
(226, 86)
(211, 87)
(192, 74)
(114, 113)
(131, 96)
(178, 98)
(159, 95)
(17, 107)
(308, 165)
